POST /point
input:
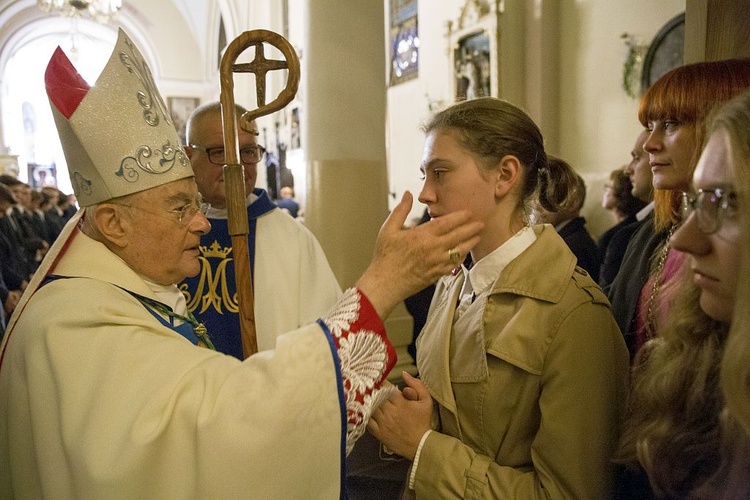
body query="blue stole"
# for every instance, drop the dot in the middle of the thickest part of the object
(185, 329)
(212, 294)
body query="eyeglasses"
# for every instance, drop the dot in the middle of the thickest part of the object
(184, 214)
(710, 207)
(248, 154)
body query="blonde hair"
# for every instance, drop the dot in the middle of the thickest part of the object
(734, 120)
(672, 429)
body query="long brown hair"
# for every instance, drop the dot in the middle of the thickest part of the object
(672, 430)
(734, 120)
(676, 429)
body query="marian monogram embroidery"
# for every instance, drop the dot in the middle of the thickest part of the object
(212, 289)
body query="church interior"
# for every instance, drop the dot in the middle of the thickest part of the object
(371, 73)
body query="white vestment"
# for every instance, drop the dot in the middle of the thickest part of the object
(292, 274)
(99, 400)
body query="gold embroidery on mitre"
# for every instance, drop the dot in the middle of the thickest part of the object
(150, 100)
(212, 289)
(162, 162)
(125, 111)
(80, 183)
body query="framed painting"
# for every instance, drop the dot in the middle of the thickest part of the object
(180, 109)
(42, 175)
(472, 66)
(474, 49)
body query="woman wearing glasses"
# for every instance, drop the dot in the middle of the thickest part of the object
(673, 432)
(734, 122)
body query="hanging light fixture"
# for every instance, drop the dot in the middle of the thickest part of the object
(99, 10)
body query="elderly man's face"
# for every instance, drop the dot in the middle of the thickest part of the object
(164, 231)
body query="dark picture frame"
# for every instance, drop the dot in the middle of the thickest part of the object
(666, 52)
(42, 175)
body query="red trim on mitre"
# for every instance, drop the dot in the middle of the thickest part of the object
(65, 87)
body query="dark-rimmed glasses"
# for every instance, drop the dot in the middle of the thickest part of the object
(710, 207)
(248, 154)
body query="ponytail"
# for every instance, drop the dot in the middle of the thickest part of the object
(559, 186)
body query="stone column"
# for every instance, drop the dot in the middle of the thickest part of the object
(343, 134)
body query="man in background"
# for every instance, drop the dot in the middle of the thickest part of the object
(287, 201)
(292, 280)
(624, 291)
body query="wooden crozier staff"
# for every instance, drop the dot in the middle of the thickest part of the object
(234, 174)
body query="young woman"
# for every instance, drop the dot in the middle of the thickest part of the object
(523, 382)
(674, 430)
(734, 121)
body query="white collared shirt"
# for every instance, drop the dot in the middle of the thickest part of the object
(483, 273)
(643, 213)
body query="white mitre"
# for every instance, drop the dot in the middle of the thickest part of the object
(117, 136)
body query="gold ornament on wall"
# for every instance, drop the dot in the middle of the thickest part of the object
(633, 65)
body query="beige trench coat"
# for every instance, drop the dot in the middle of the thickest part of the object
(532, 408)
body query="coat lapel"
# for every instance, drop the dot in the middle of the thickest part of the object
(434, 341)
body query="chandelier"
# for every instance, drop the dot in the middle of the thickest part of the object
(99, 10)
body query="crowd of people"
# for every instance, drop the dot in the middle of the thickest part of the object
(30, 221)
(548, 366)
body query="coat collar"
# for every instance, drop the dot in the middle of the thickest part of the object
(549, 284)
(433, 345)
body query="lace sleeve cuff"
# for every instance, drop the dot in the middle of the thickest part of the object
(366, 356)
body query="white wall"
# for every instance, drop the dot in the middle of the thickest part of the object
(597, 119)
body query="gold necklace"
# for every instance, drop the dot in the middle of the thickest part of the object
(658, 275)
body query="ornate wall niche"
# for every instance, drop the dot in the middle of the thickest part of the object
(473, 49)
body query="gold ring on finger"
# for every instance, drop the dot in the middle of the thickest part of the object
(454, 256)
